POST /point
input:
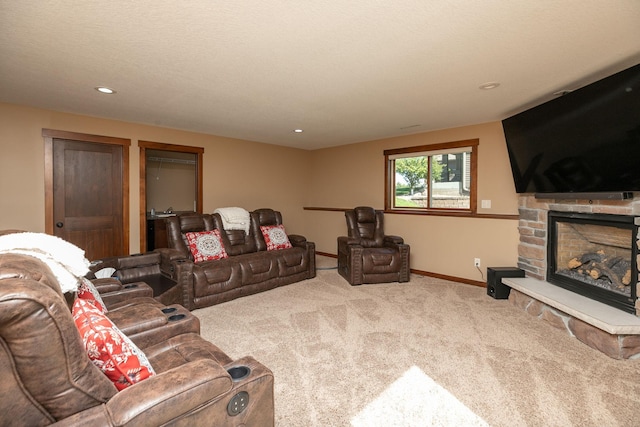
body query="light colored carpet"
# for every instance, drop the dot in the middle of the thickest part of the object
(427, 352)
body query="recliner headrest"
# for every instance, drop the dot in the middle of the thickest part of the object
(266, 216)
(365, 214)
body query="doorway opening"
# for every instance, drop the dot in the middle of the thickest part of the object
(170, 183)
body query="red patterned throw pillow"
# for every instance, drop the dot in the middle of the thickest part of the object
(275, 237)
(108, 348)
(206, 245)
(87, 291)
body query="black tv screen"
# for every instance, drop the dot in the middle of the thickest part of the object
(585, 141)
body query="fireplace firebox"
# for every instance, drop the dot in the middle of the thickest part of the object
(595, 256)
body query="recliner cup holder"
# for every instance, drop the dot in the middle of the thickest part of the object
(168, 310)
(239, 372)
(176, 317)
(133, 285)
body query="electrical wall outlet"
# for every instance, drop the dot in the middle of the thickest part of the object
(476, 262)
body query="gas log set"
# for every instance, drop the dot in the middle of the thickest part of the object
(599, 269)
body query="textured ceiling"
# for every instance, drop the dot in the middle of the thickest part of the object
(344, 71)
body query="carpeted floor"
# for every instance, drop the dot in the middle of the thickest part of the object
(427, 352)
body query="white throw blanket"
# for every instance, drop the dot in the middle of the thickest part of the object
(66, 260)
(235, 219)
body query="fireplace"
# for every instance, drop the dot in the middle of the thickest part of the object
(594, 255)
(598, 310)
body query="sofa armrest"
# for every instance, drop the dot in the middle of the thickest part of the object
(350, 259)
(126, 293)
(297, 240)
(344, 241)
(167, 257)
(167, 396)
(393, 241)
(107, 284)
(160, 399)
(183, 274)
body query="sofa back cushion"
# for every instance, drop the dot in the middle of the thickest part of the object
(236, 242)
(275, 237)
(366, 224)
(178, 226)
(206, 245)
(264, 217)
(136, 267)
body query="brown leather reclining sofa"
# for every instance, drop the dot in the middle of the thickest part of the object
(249, 268)
(48, 379)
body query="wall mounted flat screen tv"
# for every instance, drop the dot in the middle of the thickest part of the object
(585, 141)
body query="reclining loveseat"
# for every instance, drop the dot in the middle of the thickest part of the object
(49, 379)
(131, 306)
(251, 263)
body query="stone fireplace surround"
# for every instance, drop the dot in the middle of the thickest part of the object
(607, 329)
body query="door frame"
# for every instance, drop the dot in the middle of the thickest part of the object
(144, 145)
(51, 134)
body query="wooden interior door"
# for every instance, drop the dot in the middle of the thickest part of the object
(88, 193)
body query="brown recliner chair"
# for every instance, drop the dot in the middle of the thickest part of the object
(47, 377)
(367, 255)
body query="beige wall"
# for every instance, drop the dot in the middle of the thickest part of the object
(353, 175)
(236, 172)
(171, 185)
(254, 175)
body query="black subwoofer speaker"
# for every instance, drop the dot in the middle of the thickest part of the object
(495, 288)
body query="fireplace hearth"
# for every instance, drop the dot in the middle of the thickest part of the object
(594, 255)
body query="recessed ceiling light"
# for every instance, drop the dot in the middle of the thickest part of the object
(104, 89)
(298, 130)
(489, 85)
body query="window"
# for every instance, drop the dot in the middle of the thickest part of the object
(432, 178)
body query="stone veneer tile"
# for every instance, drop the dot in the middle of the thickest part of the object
(536, 241)
(519, 299)
(596, 338)
(529, 214)
(535, 308)
(541, 233)
(526, 231)
(571, 207)
(613, 210)
(531, 252)
(537, 275)
(532, 225)
(553, 317)
(533, 203)
(538, 263)
(630, 346)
